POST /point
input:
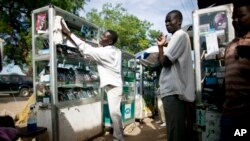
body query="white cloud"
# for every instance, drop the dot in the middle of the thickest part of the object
(153, 11)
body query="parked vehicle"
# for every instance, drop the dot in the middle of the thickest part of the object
(18, 85)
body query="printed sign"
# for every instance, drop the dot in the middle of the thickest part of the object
(41, 23)
(127, 111)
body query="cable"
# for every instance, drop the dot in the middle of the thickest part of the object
(193, 4)
(185, 11)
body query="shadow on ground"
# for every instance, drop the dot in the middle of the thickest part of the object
(146, 130)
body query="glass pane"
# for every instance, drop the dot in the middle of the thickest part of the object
(81, 28)
(41, 45)
(214, 22)
(128, 70)
(42, 82)
(213, 34)
(77, 82)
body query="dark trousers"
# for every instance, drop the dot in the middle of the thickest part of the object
(175, 114)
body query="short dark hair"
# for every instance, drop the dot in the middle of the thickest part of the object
(113, 36)
(178, 14)
(7, 121)
(236, 3)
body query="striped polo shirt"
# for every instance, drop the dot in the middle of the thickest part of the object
(237, 77)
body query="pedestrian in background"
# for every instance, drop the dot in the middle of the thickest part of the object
(108, 59)
(177, 76)
(236, 108)
(162, 119)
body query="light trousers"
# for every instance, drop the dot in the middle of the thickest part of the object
(114, 96)
(160, 109)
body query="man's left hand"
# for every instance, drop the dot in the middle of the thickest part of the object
(161, 40)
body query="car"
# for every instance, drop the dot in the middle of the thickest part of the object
(17, 85)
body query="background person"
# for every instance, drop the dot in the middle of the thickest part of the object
(236, 108)
(162, 120)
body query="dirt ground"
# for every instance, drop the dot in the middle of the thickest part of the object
(146, 130)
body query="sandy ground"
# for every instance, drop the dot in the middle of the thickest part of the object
(146, 130)
(10, 105)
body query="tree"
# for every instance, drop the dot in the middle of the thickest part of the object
(15, 24)
(134, 35)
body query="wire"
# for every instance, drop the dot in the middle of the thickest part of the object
(182, 4)
(193, 4)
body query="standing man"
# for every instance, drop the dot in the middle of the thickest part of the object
(177, 76)
(108, 59)
(235, 124)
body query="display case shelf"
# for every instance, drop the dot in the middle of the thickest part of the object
(66, 84)
(41, 57)
(212, 28)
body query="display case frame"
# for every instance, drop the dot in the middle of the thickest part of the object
(67, 115)
(212, 32)
(128, 98)
(196, 36)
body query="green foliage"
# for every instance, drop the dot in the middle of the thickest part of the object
(153, 34)
(15, 25)
(134, 35)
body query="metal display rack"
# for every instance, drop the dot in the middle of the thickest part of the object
(212, 31)
(66, 85)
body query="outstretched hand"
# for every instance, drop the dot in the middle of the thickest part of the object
(161, 40)
(65, 31)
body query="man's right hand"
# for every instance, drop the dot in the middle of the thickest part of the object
(65, 31)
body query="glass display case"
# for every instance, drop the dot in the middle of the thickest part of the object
(66, 84)
(128, 97)
(146, 97)
(149, 91)
(139, 102)
(212, 31)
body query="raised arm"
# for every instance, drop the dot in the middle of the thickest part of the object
(161, 42)
(67, 33)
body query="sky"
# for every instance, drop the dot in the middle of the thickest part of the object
(153, 11)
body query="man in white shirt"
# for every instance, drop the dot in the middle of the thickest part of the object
(108, 59)
(177, 76)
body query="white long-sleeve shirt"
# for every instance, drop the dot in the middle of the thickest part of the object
(108, 61)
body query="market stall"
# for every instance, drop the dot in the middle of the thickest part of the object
(147, 75)
(66, 85)
(212, 29)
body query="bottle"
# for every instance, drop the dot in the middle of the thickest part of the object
(32, 120)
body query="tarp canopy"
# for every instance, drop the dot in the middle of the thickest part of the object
(145, 53)
(11, 69)
(149, 57)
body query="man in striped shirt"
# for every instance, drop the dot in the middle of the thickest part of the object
(236, 108)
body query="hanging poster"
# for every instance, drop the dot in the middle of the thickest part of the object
(41, 26)
(212, 43)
